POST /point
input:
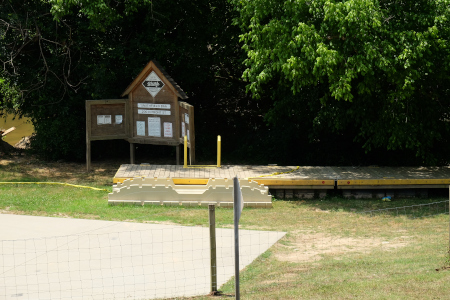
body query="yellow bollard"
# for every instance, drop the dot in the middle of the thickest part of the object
(185, 151)
(219, 142)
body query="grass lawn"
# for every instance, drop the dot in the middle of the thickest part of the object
(331, 250)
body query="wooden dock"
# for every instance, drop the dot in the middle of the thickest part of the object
(305, 178)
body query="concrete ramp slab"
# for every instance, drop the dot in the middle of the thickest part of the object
(61, 258)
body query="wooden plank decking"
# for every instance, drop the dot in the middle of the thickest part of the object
(291, 177)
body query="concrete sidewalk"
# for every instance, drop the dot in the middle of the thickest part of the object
(61, 258)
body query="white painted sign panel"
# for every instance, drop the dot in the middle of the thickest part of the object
(154, 126)
(183, 129)
(168, 131)
(153, 112)
(188, 135)
(140, 128)
(153, 84)
(153, 105)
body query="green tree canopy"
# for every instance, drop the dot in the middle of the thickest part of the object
(56, 54)
(379, 69)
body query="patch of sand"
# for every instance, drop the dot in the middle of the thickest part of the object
(312, 247)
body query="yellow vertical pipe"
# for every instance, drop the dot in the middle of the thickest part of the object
(185, 151)
(219, 142)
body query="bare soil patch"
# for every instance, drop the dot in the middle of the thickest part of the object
(18, 167)
(314, 246)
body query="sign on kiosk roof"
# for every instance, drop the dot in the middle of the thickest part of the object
(154, 65)
(153, 84)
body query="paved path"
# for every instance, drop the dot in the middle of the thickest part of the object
(61, 258)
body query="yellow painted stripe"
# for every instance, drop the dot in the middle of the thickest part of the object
(265, 181)
(194, 181)
(189, 166)
(200, 167)
(392, 182)
(119, 179)
(278, 181)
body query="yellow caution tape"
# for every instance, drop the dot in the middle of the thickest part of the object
(278, 173)
(58, 183)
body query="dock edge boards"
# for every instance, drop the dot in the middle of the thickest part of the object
(395, 183)
(329, 184)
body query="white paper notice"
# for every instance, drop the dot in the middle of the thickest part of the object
(140, 128)
(186, 118)
(188, 135)
(168, 132)
(100, 119)
(154, 126)
(103, 119)
(107, 119)
(183, 129)
(118, 119)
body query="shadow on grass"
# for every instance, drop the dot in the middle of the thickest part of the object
(28, 169)
(409, 207)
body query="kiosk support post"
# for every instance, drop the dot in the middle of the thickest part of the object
(88, 156)
(185, 151)
(132, 153)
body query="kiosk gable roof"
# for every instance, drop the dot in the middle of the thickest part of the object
(154, 65)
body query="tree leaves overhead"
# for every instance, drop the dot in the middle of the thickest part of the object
(389, 58)
(57, 54)
(326, 72)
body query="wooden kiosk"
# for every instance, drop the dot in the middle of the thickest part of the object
(152, 114)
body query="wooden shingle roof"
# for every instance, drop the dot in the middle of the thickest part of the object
(155, 66)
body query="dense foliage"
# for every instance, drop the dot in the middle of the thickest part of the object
(377, 70)
(330, 80)
(93, 49)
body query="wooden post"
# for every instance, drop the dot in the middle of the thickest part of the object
(88, 155)
(192, 134)
(88, 136)
(132, 153)
(185, 152)
(212, 247)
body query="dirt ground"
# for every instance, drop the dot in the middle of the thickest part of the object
(309, 247)
(29, 168)
(6, 148)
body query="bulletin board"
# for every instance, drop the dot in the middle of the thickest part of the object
(152, 114)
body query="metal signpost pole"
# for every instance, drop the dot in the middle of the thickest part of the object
(237, 208)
